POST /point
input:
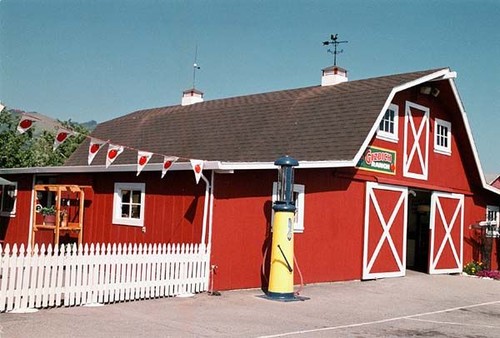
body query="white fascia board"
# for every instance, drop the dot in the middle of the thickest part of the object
(209, 165)
(271, 165)
(492, 189)
(443, 73)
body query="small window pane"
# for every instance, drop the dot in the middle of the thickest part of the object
(9, 199)
(136, 197)
(136, 211)
(125, 210)
(126, 196)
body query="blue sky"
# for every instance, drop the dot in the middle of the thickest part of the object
(101, 59)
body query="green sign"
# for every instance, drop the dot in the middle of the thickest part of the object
(379, 160)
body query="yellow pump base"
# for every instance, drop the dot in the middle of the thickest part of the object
(281, 273)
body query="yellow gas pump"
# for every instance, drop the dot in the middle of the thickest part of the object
(281, 273)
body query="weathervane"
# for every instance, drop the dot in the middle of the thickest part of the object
(195, 65)
(333, 41)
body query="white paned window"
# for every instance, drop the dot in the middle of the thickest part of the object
(298, 197)
(388, 127)
(493, 214)
(442, 137)
(128, 204)
(8, 197)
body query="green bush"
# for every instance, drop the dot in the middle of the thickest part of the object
(472, 268)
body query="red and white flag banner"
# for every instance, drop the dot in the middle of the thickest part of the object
(62, 135)
(143, 158)
(94, 147)
(114, 150)
(167, 164)
(25, 123)
(197, 168)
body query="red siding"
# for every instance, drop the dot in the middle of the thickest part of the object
(174, 209)
(173, 214)
(331, 242)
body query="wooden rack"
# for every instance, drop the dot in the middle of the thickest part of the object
(61, 225)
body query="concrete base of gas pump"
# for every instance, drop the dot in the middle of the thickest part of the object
(284, 298)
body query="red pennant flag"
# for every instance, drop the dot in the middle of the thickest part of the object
(25, 123)
(197, 168)
(62, 135)
(167, 164)
(143, 158)
(94, 147)
(114, 150)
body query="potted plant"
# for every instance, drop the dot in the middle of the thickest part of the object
(49, 215)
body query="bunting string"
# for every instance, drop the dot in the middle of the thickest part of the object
(28, 120)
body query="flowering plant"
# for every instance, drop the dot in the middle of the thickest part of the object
(494, 274)
(473, 267)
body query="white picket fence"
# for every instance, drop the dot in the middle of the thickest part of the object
(99, 274)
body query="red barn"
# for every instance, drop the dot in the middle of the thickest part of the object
(389, 179)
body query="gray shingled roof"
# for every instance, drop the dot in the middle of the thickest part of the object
(311, 124)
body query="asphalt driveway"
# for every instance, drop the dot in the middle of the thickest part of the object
(416, 305)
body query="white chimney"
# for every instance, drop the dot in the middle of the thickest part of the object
(191, 96)
(333, 75)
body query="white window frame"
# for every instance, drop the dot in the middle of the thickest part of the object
(386, 135)
(439, 148)
(117, 204)
(9, 213)
(298, 189)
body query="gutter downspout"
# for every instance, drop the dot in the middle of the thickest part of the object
(208, 216)
(207, 211)
(211, 220)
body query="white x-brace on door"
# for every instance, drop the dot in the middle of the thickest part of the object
(446, 233)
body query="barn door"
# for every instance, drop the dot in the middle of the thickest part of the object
(446, 233)
(416, 143)
(384, 250)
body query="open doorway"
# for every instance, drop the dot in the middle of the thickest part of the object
(417, 245)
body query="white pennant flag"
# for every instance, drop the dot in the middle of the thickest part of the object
(167, 163)
(113, 151)
(94, 147)
(143, 158)
(197, 168)
(62, 135)
(25, 123)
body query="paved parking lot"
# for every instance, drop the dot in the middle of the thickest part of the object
(417, 305)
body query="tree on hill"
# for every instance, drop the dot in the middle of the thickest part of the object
(34, 148)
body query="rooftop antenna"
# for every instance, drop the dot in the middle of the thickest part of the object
(334, 41)
(195, 65)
